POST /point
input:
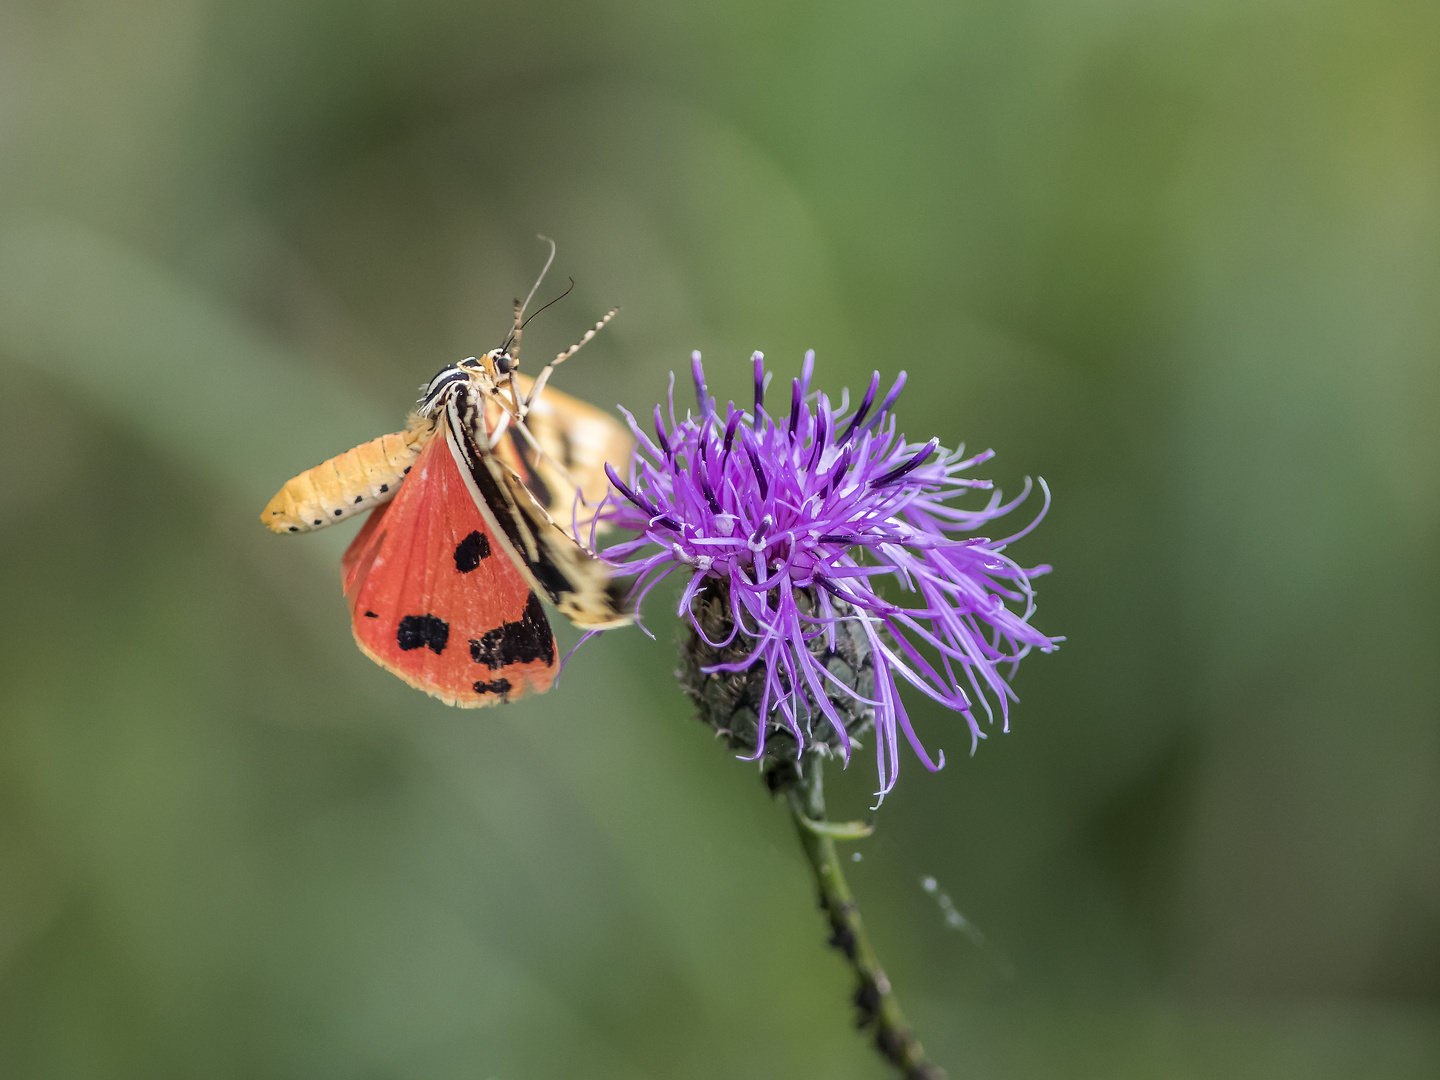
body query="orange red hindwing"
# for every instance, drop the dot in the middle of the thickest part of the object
(435, 598)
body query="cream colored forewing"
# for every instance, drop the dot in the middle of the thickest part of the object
(576, 582)
(576, 440)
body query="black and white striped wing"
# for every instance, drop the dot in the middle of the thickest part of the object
(576, 582)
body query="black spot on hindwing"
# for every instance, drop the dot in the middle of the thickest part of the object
(470, 551)
(521, 642)
(495, 686)
(430, 631)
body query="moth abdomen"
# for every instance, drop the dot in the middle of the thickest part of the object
(356, 480)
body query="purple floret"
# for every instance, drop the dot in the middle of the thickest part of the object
(803, 515)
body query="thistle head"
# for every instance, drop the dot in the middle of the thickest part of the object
(825, 564)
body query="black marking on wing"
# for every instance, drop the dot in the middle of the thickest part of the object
(522, 642)
(550, 576)
(531, 477)
(495, 686)
(553, 562)
(520, 528)
(617, 592)
(470, 551)
(429, 631)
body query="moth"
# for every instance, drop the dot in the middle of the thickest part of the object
(477, 509)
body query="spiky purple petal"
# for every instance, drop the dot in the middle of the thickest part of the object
(801, 528)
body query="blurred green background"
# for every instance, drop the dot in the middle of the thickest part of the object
(1182, 259)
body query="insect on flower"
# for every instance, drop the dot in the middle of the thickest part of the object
(786, 524)
(443, 580)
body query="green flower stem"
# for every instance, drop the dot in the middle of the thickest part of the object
(874, 998)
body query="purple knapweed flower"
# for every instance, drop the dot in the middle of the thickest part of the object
(826, 564)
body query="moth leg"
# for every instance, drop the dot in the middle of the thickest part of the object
(500, 426)
(515, 405)
(503, 424)
(559, 467)
(512, 346)
(544, 375)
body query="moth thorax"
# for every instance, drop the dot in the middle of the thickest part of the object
(438, 388)
(729, 701)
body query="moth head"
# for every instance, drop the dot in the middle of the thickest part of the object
(501, 364)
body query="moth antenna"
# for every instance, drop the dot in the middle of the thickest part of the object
(512, 343)
(552, 303)
(544, 375)
(543, 271)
